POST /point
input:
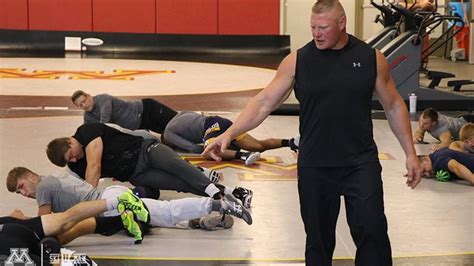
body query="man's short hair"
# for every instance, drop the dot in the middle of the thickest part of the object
(78, 94)
(323, 6)
(466, 132)
(56, 150)
(430, 113)
(14, 175)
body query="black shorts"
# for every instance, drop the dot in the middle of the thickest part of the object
(214, 127)
(18, 236)
(155, 115)
(34, 224)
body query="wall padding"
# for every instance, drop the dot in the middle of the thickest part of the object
(14, 14)
(137, 16)
(70, 15)
(186, 17)
(249, 17)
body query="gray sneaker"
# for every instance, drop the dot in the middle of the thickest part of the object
(213, 222)
(250, 157)
(230, 205)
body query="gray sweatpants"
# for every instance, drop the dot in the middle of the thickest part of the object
(159, 167)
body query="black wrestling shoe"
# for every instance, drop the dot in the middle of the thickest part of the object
(243, 194)
(294, 143)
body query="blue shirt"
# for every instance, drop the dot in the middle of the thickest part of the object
(440, 159)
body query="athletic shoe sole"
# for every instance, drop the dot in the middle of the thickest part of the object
(216, 222)
(247, 202)
(253, 157)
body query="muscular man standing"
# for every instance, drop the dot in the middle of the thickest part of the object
(334, 77)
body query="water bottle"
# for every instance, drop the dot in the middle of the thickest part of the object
(412, 100)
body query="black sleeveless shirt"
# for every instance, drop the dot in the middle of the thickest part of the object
(334, 89)
(119, 155)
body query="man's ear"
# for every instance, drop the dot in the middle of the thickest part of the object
(30, 177)
(342, 22)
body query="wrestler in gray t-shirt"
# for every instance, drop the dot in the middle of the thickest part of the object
(110, 109)
(186, 131)
(64, 192)
(447, 123)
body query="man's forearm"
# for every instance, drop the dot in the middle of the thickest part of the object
(93, 175)
(419, 135)
(252, 116)
(445, 143)
(399, 123)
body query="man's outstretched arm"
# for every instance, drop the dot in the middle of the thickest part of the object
(398, 118)
(258, 108)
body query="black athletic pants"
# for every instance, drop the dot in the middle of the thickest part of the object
(469, 118)
(159, 167)
(320, 190)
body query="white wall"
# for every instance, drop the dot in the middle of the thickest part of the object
(296, 20)
(369, 27)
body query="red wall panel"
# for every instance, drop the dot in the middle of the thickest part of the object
(14, 14)
(69, 15)
(137, 16)
(186, 16)
(249, 17)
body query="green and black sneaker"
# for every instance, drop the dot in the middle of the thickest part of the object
(128, 201)
(132, 226)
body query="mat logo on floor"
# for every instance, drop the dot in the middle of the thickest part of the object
(19, 255)
(69, 257)
(117, 74)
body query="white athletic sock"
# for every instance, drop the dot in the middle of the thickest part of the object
(111, 203)
(211, 190)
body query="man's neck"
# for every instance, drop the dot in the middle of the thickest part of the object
(342, 42)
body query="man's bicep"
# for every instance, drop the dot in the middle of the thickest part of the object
(279, 89)
(445, 136)
(106, 109)
(94, 151)
(385, 88)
